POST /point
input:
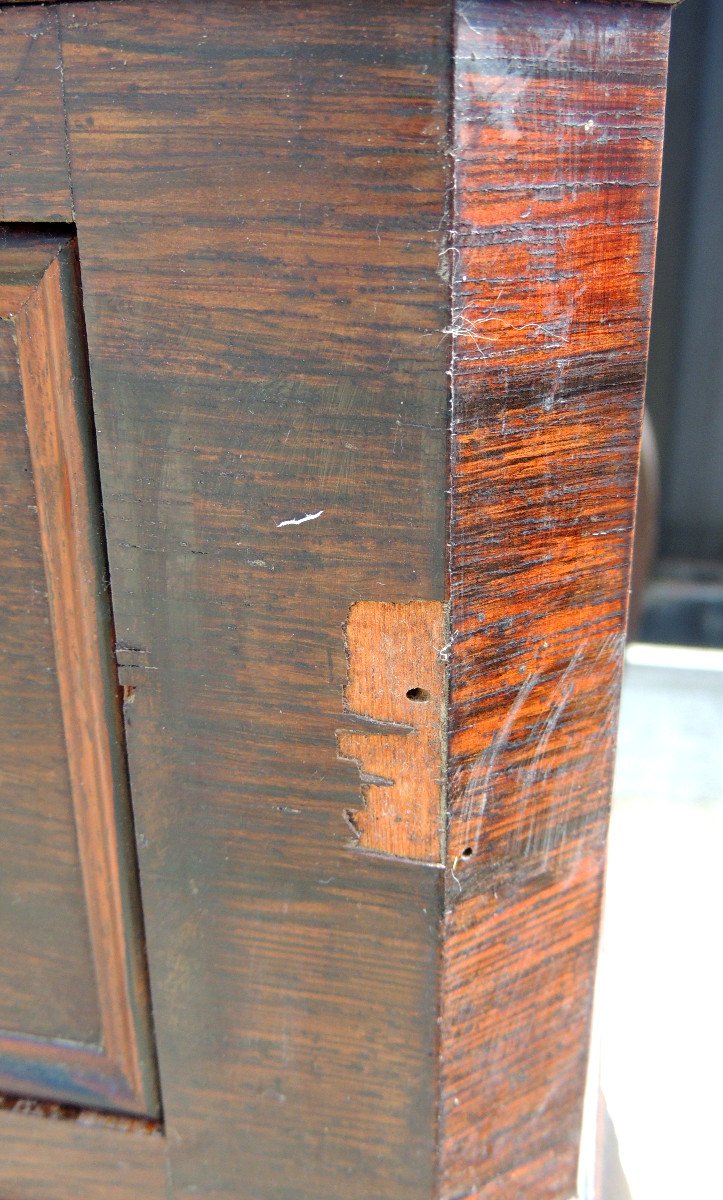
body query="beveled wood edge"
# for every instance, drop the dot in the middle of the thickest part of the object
(84, 1074)
(44, 307)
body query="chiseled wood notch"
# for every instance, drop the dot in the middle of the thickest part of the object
(558, 117)
(396, 690)
(109, 1062)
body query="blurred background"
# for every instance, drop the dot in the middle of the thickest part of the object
(660, 989)
(684, 397)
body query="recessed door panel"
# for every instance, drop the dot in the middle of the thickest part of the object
(74, 1013)
(47, 983)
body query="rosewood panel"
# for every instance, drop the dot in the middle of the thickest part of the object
(73, 1003)
(558, 113)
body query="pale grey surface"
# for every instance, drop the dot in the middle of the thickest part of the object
(670, 742)
(661, 974)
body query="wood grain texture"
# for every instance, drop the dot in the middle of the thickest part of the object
(47, 983)
(34, 176)
(47, 1154)
(558, 113)
(115, 1068)
(397, 686)
(259, 194)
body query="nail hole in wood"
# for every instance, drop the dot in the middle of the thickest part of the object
(467, 852)
(418, 694)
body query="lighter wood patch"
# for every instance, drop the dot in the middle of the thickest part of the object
(397, 686)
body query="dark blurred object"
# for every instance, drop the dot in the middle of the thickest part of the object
(680, 503)
(684, 605)
(646, 525)
(685, 378)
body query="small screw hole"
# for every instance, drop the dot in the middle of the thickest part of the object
(418, 694)
(467, 852)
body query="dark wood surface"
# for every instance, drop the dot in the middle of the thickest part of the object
(558, 114)
(47, 987)
(259, 195)
(75, 1015)
(34, 177)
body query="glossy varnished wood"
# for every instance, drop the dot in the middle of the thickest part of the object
(34, 176)
(557, 123)
(109, 1063)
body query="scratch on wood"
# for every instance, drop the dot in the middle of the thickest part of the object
(396, 688)
(556, 143)
(300, 520)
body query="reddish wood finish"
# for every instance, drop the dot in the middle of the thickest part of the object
(118, 1072)
(558, 114)
(397, 686)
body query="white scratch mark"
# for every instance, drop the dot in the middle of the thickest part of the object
(300, 520)
(476, 791)
(470, 26)
(535, 771)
